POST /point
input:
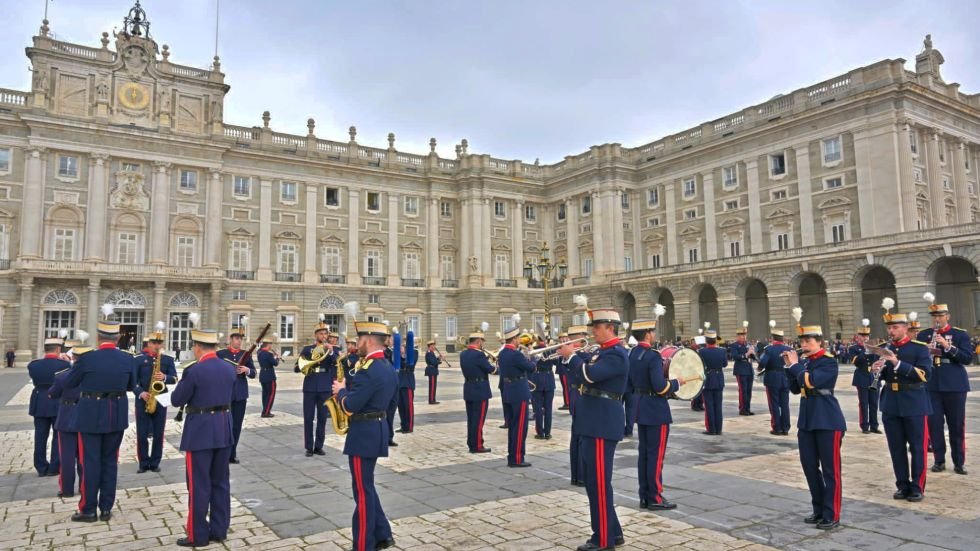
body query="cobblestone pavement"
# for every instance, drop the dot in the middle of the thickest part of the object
(742, 490)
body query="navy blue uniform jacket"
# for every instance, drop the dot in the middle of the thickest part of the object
(321, 377)
(240, 391)
(647, 375)
(914, 368)
(206, 384)
(715, 361)
(144, 370)
(515, 367)
(372, 389)
(106, 369)
(775, 376)
(862, 363)
(475, 365)
(600, 417)
(950, 375)
(267, 366)
(818, 411)
(42, 372)
(740, 355)
(432, 362)
(67, 399)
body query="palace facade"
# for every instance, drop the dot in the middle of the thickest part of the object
(121, 182)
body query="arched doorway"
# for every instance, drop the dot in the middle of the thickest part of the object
(756, 312)
(626, 304)
(666, 329)
(130, 307)
(957, 285)
(877, 283)
(707, 310)
(813, 300)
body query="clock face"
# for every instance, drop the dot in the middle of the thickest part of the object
(133, 96)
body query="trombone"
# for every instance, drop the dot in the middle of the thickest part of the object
(538, 351)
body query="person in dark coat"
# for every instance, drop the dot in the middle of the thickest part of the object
(432, 362)
(239, 395)
(44, 409)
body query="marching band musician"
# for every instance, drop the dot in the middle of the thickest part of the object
(316, 386)
(561, 369)
(744, 374)
(432, 361)
(774, 379)
(577, 358)
(543, 397)
(651, 389)
(206, 389)
(905, 404)
(476, 370)
(947, 386)
(151, 424)
(372, 389)
(66, 426)
(514, 370)
(821, 425)
(406, 384)
(599, 418)
(239, 395)
(350, 361)
(715, 361)
(268, 360)
(103, 376)
(868, 387)
(43, 409)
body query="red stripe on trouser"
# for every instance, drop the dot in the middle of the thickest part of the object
(772, 410)
(925, 453)
(522, 424)
(190, 496)
(838, 435)
(704, 404)
(600, 462)
(81, 460)
(741, 402)
(432, 388)
(860, 407)
(136, 412)
(411, 409)
(361, 506)
(564, 389)
(272, 397)
(479, 427)
(61, 483)
(658, 472)
(963, 438)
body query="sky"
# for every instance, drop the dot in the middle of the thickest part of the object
(519, 79)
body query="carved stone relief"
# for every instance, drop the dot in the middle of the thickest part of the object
(129, 192)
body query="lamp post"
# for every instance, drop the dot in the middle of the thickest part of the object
(547, 271)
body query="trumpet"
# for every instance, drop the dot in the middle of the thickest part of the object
(538, 351)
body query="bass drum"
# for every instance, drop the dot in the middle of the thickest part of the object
(685, 363)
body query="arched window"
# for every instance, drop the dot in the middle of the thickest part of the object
(127, 239)
(126, 299)
(64, 234)
(60, 297)
(332, 302)
(184, 299)
(187, 243)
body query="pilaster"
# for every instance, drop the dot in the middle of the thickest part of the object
(310, 274)
(265, 230)
(95, 217)
(32, 227)
(160, 214)
(213, 225)
(805, 187)
(755, 208)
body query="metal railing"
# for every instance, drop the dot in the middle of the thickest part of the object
(240, 274)
(288, 276)
(506, 282)
(373, 280)
(4, 263)
(584, 280)
(328, 278)
(450, 283)
(413, 282)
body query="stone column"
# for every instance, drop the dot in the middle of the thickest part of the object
(92, 317)
(616, 238)
(710, 227)
(95, 219)
(517, 244)
(638, 261)
(486, 254)
(571, 234)
(265, 230)
(394, 260)
(432, 242)
(214, 306)
(672, 255)
(353, 237)
(755, 209)
(310, 269)
(909, 211)
(159, 288)
(805, 186)
(160, 215)
(960, 184)
(937, 204)
(26, 307)
(464, 220)
(32, 227)
(598, 237)
(214, 225)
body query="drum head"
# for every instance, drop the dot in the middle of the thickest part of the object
(687, 364)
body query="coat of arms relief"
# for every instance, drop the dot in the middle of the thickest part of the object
(129, 193)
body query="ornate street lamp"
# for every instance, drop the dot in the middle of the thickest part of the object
(547, 271)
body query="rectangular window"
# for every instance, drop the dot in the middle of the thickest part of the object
(241, 255)
(690, 214)
(372, 263)
(561, 210)
(55, 321)
(287, 192)
(947, 185)
(624, 201)
(501, 266)
(499, 209)
(239, 295)
(833, 183)
(64, 244)
(185, 251)
(628, 263)
(530, 213)
(692, 255)
(374, 298)
(917, 175)
(587, 204)
(837, 232)
(188, 180)
(67, 166)
(286, 296)
(914, 142)
(413, 324)
(5, 156)
(778, 194)
(412, 206)
(451, 328)
(729, 176)
(655, 260)
(782, 241)
(587, 267)
(507, 323)
(130, 167)
(942, 151)
(410, 266)
(446, 209)
(126, 251)
(332, 197)
(777, 164)
(735, 248)
(4, 243)
(831, 150)
(731, 205)
(287, 327)
(653, 197)
(448, 266)
(288, 262)
(331, 261)
(242, 186)
(374, 201)
(653, 222)
(690, 187)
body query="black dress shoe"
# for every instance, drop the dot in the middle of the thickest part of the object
(268, 415)
(644, 502)
(55, 473)
(664, 506)
(65, 495)
(309, 453)
(865, 431)
(502, 426)
(547, 437)
(914, 496)
(83, 517)
(401, 431)
(104, 516)
(620, 541)
(480, 450)
(776, 432)
(958, 469)
(141, 470)
(742, 413)
(385, 544)
(234, 461)
(519, 465)
(563, 408)
(813, 519)
(393, 444)
(901, 494)
(319, 451)
(938, 467)
(876, 430)
(155, 469)
(186, 542)
(708, 432)
(539, 437)
(828, 524)
(579, 483)
(432, 404)
(750, 413)
(589, 546)
(216, 539)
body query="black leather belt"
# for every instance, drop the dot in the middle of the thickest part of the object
(103, 395)
(69, 402)
(602, 394)
(898, 387)
(816, 392)
(475, 379)
(368, 416)
(508, 380)
(543, 370)
(715, 369)
(42, 387)
(212, 410)
(644, 392)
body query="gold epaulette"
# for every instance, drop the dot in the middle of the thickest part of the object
(918, 342)
(363, 364)
(62, 371)
(959, 328)
(828, 354)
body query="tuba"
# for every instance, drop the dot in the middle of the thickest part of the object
(338, 417)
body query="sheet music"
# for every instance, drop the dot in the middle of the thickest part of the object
(163, 400)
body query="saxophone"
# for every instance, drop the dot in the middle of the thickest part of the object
(156, 387)
(338, 417)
